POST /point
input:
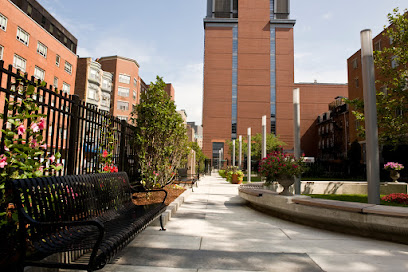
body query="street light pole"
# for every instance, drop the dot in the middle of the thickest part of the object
(249, 156)
(233, 152)
(240, 152)
(264, 136)
(370, 113)
(296, 130)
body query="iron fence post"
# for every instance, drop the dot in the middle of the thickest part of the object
(73, 136)
(122, 149)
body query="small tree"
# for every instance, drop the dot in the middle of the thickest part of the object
(161, 142)
(392, 95)
(200, 157)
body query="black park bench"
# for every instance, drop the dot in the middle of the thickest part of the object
(187, 179)
(92, 214)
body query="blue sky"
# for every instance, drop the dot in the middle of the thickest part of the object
(166, 37)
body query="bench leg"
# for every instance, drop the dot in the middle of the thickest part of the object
(161, 223)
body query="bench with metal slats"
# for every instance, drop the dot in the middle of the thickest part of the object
(91, 213)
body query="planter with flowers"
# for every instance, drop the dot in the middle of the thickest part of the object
(281, 167)
(394, 167)
(234, 175)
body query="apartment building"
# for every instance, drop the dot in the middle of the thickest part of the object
(34, 42)
(126, 84)
(249, 72)
(93, 85)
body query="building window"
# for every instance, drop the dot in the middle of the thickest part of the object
(281, 9)
(94, 74)
(134, 95)
(66, 88)
(123, 91)
(93, 92)
(135, 82)
(23, 36)
(394, 62)
(123, 118)
(105, 101)
(42, 49)
(19, 63)
(68, 67)
(1, 52)
(377, 46)
(56, 82)
(357, 124)
(3, 22)
(355, 63)
(124, 79)
(39, 73)
(57, 60)
(391, 40)
(122, 105)
(384, 90)
(357, 83)
(106, 84)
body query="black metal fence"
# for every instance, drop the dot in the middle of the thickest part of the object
(78, 131)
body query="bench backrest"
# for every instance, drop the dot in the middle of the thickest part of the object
(72, 198)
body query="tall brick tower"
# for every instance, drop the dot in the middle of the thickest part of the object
(248, 70)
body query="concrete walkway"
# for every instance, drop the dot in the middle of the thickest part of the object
(214, 231)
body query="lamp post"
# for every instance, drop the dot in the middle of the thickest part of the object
(240, 152)
(296, 130)
(233, 152)
(249, 156)
(370, 113)
(264, 136)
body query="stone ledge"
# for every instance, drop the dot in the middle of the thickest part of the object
(381, 222)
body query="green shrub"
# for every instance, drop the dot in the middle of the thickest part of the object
(222, 173)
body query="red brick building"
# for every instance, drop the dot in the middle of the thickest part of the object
(126, 84)
(33, 41)
(249, 72)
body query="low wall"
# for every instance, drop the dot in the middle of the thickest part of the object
(344, 187)
(377, 221)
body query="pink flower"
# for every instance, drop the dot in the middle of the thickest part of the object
(52, 159)
(21, 130)
(34, 143)
(105, 154)
(3, 161)
(44, 146)
(6, 149)
(41, 168)
(41, 124)
(59, 164)
(35, 128)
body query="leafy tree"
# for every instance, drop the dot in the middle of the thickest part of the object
(200, 157)
(161, 142)
(392, 84)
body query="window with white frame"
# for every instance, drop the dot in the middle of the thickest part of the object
(135, 82)
(391, 40)
(124, 79)
(105, 100)
(19, 63)
(56, 82)
(356, 82)
(68, 67)
(122, 105)
(93, 92)
(106, 84)
(3, 22)
(57, 60)
(94, 74)
(23, 36)
(134, 95)
(42, 49)
(1, 52)
(66, 88)
(123, 91)
(39, 73)
(123, 118)
(394, 62)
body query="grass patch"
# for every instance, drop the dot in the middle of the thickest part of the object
(353, 198)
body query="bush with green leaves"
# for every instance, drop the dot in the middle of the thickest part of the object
(161, 143)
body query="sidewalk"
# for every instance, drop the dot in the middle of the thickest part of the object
(214, 231)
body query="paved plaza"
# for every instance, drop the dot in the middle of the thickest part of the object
(214, 231)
